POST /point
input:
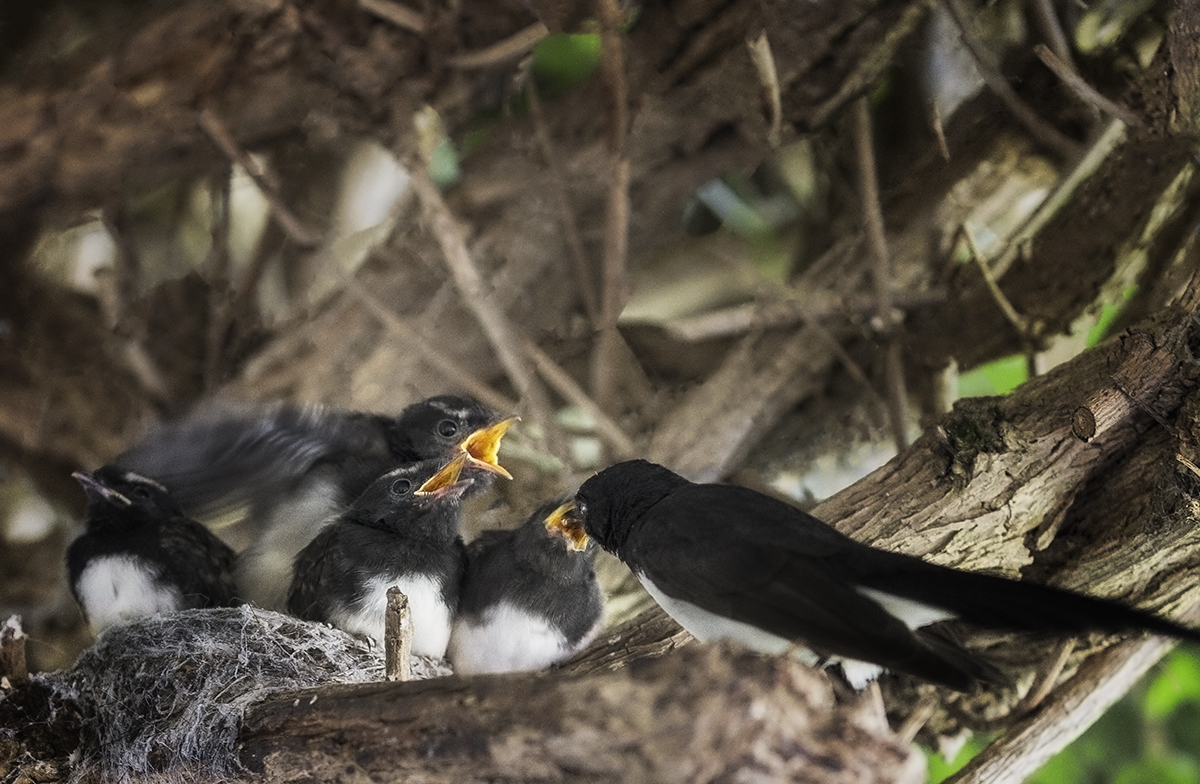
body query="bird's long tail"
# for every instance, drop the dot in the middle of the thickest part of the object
(999, 603)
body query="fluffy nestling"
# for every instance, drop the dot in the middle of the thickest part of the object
(529, 599)
(291, 469)
(402, 531)
(140, 554)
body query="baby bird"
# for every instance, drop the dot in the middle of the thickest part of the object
(140, 554)
(529, 600)
(402, 531)
(290, 469)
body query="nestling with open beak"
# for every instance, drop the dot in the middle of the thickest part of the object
(402, 531)
(288, 470)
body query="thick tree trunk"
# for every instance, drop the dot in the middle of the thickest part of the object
(702, 714)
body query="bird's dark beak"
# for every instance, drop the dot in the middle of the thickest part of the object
(97, 491)
(565, 523)
(482, 446)
(446, 481)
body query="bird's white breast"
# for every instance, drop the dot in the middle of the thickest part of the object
(707, 627)
(116, 588)
(507, 638)
(430, 615)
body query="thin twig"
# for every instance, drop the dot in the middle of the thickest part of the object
(127, 264)
(1016, 319)
(868, 188)
(584, 284)
(939, 132)
(918, 718)
(475, 296)
(1026, 745)
(402, 16)
(409, 336)
(12, 651)
(808, 307)
(220, 301)
(1097, 152)
(1040, 129)
(607, 356)
(219, 187)
(768, 77)
(397, 636)
(1085, 91)
(117, 291)
(1047, 677)
(266, 183)
(616, 239)
(1047, 20)
(516, 45)
(562, 382)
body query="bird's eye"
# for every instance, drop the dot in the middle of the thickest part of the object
(140, 493)
(401, 487)
(447, 428)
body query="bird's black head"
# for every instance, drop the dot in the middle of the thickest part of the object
(610, 505)
(111, 487)
(412, 494)
(544, 539)
(442, 426)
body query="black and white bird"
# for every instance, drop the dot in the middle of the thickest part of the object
(728, 562)
(288, 470)
(140, 554)
(529, 599)
(402, 531)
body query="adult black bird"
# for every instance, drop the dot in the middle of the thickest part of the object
(728, 562)
(402, 531)
(529, 599)
(290, 469)
(140, 554)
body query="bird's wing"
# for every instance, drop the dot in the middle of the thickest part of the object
(203, 564)
(753, 559)
(220, 461)
(310, 571)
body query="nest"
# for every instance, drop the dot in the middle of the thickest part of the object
(165, 695)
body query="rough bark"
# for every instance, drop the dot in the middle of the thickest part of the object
(702, 714)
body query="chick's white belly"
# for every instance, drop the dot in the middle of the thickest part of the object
(507, 638)
(430, 616)
(118, 588)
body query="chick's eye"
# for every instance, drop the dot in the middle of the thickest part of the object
(401, 486)
(141, 493)
(447, 428)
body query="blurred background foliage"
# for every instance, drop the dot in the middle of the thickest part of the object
(746, 235)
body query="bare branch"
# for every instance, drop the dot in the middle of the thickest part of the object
(1041, 130)
(1085, 91)
(224, 140)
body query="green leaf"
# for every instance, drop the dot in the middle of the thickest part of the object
(1179, 681)
(1167, 769)
(940, 768)
(562, 60)
(1108, 314)
(995, 378)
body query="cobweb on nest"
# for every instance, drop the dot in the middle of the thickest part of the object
(167, 693)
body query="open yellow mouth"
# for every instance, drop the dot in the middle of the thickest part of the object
(445, 478)
(565, 523)
(482, 446)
